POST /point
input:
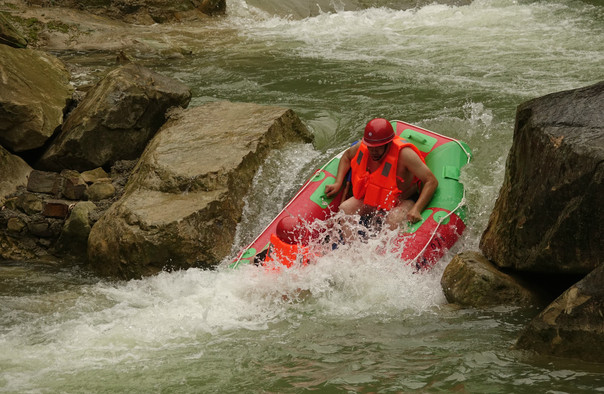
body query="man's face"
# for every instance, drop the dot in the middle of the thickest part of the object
(378, 152)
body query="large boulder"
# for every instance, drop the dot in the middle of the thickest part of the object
(548, 216)
(184, 199)
(472, 280)
(15, 173)
(34, 91)
(115, 120)
(9, 35)
(573, 325)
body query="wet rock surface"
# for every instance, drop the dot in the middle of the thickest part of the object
(115, 120)
(548, 217)
(185, 196)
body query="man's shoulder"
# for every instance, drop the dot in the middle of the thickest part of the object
(352, 151)
(407, 153)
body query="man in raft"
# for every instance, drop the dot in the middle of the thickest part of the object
(388, 175)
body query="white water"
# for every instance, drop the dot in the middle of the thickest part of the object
(354, 321)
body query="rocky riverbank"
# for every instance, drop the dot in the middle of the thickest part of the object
(123, 176)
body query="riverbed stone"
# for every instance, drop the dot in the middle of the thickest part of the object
(92, 176)
(14, 173)
(15, 225)
(30, 203)
(40, 228)
(43, 182)
(472, 280)
(573, 325)
(11, 203)
(100, 190)
(34, 91)
(115, 120)
(55, 209)
(548, 217)
(73, 186)
(73, 240)
(12, 248)
(184, 199)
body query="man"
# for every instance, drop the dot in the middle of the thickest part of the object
(388, 175)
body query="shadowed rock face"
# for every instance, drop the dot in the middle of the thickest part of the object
(548, 217)
(34, 91)
(573, 325)
(115, 120)
(184, 199)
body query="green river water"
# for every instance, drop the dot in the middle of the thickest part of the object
(354, 322)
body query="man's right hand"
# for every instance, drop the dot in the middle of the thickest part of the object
(333, 189)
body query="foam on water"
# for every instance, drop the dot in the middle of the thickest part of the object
(112, 323)
(490, 44)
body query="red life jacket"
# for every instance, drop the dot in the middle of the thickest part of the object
(379, 188)
(286, 254)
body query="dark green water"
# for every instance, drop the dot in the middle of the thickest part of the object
(355, 322)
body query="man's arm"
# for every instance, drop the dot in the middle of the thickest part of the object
(343, 167)
(429, 182)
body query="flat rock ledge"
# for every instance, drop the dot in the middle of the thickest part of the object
(184, 198)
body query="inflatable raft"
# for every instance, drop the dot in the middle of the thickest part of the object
(421, 244)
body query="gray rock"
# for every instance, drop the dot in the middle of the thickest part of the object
(185, 196)
(115, 120)
(43, 182)
(100, 190)
(14, 172)
(73, 240)
(73, 186)
(30, 203)
(34, 91)
(15, 225)
(548, 216)
(40, 228)
(92, 176)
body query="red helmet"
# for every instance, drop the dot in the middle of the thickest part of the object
(378, 132)
(291, 230)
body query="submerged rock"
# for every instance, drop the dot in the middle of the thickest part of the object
(182, 203)
(34, 91)
(573, 325)
(115, 120)
(548, 217)
(472, 280)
